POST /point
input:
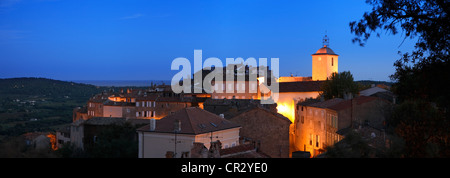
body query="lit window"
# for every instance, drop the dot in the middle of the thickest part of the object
(317, 140)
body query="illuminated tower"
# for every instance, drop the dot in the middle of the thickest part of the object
(324, 62)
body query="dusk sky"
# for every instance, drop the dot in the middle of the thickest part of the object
(137, 40)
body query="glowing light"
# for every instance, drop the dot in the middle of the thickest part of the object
(52, 141)
(287, 109)
(260, 80)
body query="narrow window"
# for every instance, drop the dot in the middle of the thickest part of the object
(332, 61)
(317, 140)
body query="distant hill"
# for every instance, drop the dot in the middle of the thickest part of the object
(369, 82)
(45, 87)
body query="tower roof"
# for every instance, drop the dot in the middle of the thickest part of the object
(325, 50)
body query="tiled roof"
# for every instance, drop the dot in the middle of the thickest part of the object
(114, 120)
(371, 91)
(242, 151)
(260, 109)
(193, 121)
(306, 86)
(105, 121)
(348, 103)
(327, 103)
(116, 103)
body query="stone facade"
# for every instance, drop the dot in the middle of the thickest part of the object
(269, 130)
(361, 110)
(314, 129)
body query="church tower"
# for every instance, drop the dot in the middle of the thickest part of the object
(324, 62)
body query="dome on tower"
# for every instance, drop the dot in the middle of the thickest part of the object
(325, 50)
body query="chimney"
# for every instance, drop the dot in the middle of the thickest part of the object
(177, 126)
(152, 124)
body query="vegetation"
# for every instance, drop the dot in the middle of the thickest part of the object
(352, 146)
(116, 141)
(421, 120)
(338, 85)
(38, 105)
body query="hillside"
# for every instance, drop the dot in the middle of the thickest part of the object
(42, 87)
(39, 104)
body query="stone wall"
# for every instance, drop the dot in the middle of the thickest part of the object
(270, 131)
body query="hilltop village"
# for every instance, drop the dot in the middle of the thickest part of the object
(236, 125)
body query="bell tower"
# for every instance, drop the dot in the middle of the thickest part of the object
(324, 61)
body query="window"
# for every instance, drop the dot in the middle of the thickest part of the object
(137, 104)
(317, 140)
(310, 139)
(302, 119)
(154, 114)
(154, 104)
(143, 104)
(137, 114)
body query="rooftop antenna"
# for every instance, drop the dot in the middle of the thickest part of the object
(326, 40)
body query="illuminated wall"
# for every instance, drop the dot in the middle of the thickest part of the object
(323, 65)
(286, 102)
(315, 129)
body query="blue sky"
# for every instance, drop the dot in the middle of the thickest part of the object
(137, 40)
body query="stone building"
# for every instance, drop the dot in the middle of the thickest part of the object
(260, 123)
(268, 129)
(315, 126)
(362, 110)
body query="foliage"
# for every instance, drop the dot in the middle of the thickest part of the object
(422, 119)
(352, 146)
(340, 84)
(423, 129)
(117, 141)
